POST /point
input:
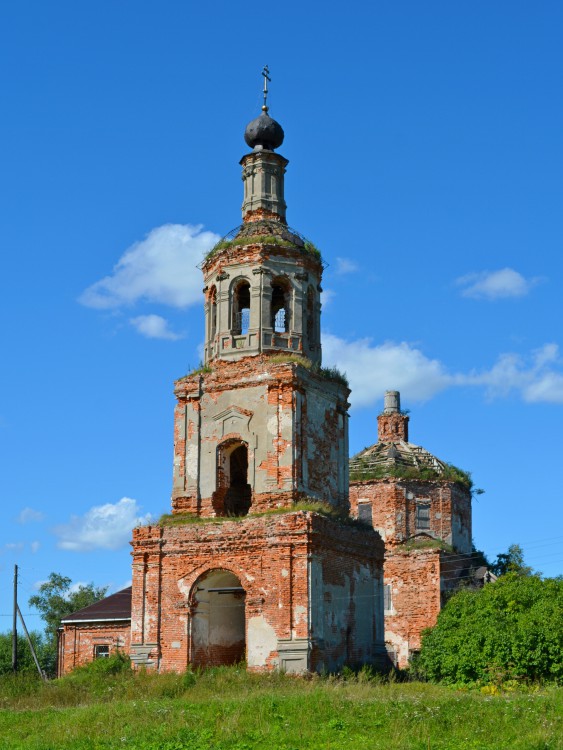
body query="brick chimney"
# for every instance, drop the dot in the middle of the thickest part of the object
(392, 426)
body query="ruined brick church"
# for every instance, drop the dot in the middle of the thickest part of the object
(271, 555)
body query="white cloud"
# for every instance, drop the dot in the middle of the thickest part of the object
(345, 265)
(154, 327)
(493, 285)
(373, 369)
(161, 268)
(35, 546)
(102, 527)
(537, 378)
(29, 515)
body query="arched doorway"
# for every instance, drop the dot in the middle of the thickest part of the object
(234, 491)
(218, 623)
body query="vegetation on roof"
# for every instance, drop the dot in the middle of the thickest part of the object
(265, 239)
(363, 469)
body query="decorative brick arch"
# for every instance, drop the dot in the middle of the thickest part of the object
(233, 496)
(217, 621)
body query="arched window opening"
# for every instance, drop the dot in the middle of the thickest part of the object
(218, 622)
(238, 495)
(280, 307)
(233, 496)
(311, 326)
(212, 312)
(241, 309)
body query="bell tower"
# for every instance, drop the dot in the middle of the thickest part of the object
(262, 281)
(261, 425)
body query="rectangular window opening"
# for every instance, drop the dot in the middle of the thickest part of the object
(101, 652)
(365, 511)
(423, 516)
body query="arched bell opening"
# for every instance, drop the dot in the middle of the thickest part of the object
(218, 620)
(234, 493)
(281, 306)
(311, 326)
(240, 308)
(212, 301)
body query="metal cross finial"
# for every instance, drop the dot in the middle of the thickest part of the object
(266, 74)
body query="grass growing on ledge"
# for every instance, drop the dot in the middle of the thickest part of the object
(308, 506)
(334, 374)
(451, 473)
(413, 544)
(297, 359)
(328, 373)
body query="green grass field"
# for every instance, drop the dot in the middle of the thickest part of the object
(227, 709)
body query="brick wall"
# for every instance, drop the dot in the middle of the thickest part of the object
(394, 505)
(273, 559)
(77, 642)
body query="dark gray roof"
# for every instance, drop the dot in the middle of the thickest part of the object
(114, 607)
(264, 132)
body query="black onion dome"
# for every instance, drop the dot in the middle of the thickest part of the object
(264, 132)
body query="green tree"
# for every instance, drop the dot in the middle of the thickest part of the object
(510, 629)
(511, 561)
(56, 600)
(25, 659)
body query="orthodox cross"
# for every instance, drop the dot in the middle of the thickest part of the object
(266, 74)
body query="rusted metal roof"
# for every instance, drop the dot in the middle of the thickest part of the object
(114, 607)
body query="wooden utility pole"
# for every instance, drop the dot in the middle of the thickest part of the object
(15, 623)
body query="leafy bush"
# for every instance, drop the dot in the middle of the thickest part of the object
(509, 630)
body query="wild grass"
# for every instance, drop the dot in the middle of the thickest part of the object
(307, 505)
(228, 709)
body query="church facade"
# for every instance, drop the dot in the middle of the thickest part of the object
(270, 555)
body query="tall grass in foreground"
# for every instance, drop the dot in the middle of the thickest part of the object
(228, 709)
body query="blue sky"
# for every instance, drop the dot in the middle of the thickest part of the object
(425, 143)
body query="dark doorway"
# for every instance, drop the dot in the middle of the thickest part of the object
(238, 496)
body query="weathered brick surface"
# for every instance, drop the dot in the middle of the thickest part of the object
(393, 427)
(77, 642)
(283, 563)
(292, 421)
(418, 579)
(414, 578)
(394, 501)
